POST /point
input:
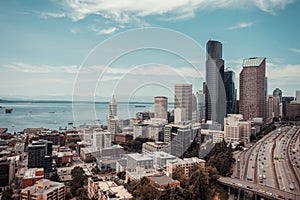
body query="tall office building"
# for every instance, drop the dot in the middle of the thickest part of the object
(270, 109)
(277, 104)
(183, 102)
(161, 107)
(200, 105)
(215, 92)
(195, 115)
(112, 107)
(278, 93)
(298, 96)
(40, 155)
(285, 102)
(253, 88)
(230, 91)
(7, 172)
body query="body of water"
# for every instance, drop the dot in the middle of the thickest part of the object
(52, 115)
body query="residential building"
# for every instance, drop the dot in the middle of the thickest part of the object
(106, 190)
(253, 89)
(149, 147)
(44, 189)
(31, 176)
(187, 164)
(163, 181)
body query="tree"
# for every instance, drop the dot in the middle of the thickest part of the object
(7, 194)
(55, 177)
(81, 193)
(78, 176)
(121, 175)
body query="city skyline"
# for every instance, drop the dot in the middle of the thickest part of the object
(45, 43)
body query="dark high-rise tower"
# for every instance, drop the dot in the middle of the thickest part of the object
(215, 98)
(230, 92)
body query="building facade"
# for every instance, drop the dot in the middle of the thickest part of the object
(161, 107)
(43, 190)
(230, 91)
(253, 89)
(215, 91)
(183, 101)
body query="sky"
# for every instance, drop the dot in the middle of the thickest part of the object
(51, 48)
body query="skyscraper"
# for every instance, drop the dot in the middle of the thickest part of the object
(215, 94)
(270, 108)
(277, 99)
(112, 107)
(298, 96)
(278, 93)
(253, 88)
(161, 107)
(200, 105)
(183, 101)
(230, 91)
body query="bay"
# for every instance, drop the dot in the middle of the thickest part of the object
(52, 115)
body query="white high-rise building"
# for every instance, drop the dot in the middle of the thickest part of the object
(102, 139)
(183, 100)
(236, 129)
(161, 107)
(112, 107)
(200, 105)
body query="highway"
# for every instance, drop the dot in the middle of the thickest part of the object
(272, 162)
(294, 155)
(264, 191)
(285, 175)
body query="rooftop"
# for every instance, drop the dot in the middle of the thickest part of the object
(162, 180)
(253, 62)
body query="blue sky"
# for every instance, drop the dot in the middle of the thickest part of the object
(44, 43)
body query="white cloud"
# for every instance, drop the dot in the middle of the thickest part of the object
(107, 31)
(288, 72)
(47, 15)
(74, 30)
(149, 70)
(295, 50)
(28, 68)
(133, 11)
(241, 25)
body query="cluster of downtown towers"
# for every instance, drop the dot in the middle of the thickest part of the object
(219, 95)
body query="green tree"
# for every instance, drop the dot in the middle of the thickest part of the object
(7, 194)
(81, 194)
(55, 177)
(79, 177)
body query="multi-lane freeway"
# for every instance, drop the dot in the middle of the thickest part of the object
(273, 161)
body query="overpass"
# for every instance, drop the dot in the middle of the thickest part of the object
(257, 189)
